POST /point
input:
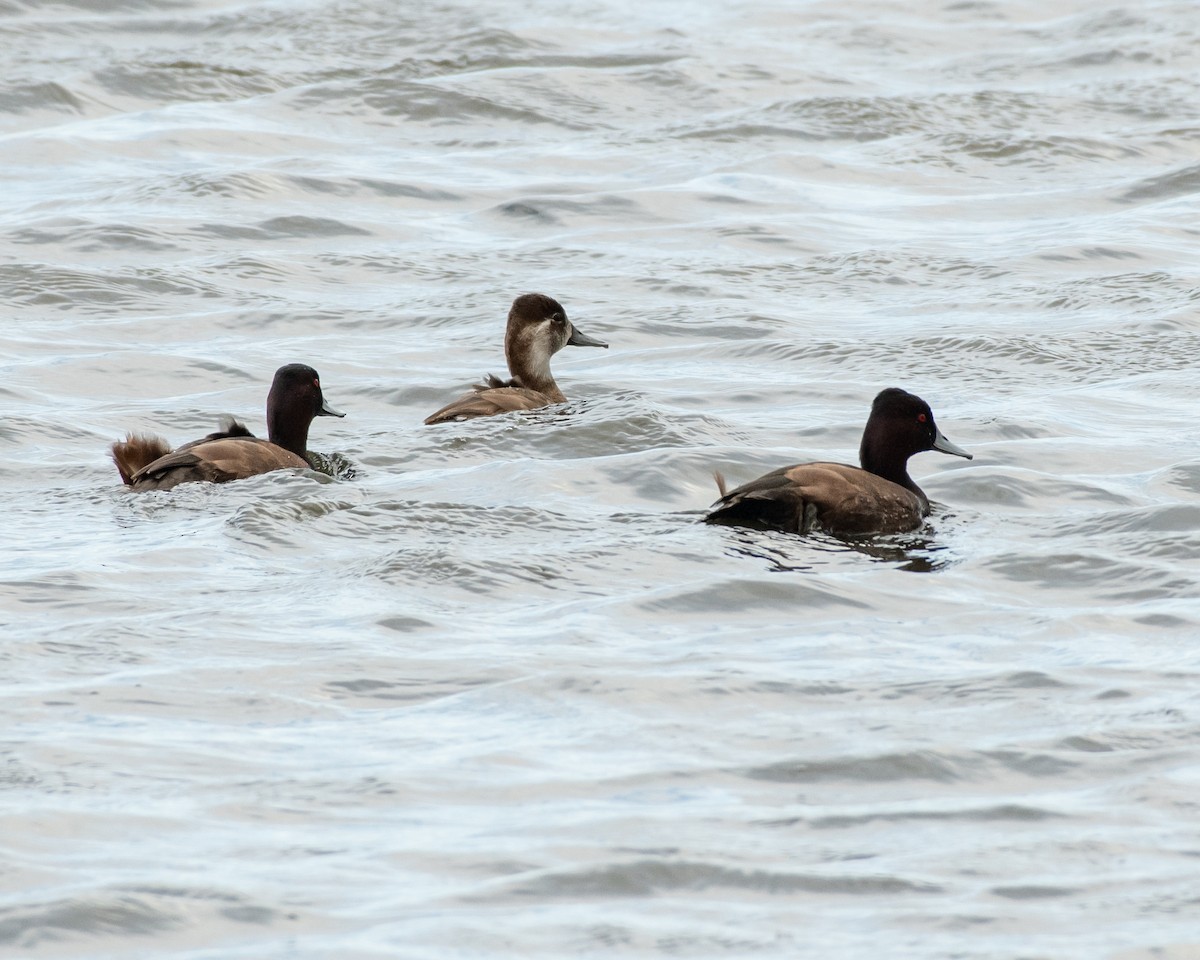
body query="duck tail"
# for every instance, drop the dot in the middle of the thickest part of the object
(136, 451)
(720, 483)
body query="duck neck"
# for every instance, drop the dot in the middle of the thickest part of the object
(884, 461)
(288, 434)
(529, 365)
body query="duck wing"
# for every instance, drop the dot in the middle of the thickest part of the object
(138, 450)
(840, 498)
(215, 461)
(489, 398)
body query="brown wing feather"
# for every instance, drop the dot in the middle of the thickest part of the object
(770, 501)
(138, 450)
(215, 461)
(485, 401)
(842, 498)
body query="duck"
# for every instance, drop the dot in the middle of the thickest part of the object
(537, 329)
(877, 498)
(147, 462)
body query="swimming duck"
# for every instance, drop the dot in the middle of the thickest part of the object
(878, 498)
(146, 462)
(537, 329)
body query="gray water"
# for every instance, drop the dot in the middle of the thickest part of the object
(491, 690)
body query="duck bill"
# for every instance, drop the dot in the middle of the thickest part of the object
(580, 339)
(329, 410)
(942, 445)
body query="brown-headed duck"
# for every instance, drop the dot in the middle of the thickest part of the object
(146, 462)
(537, 329)
(879, 498)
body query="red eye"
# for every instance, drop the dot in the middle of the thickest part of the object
(920, 418)
(317, 384)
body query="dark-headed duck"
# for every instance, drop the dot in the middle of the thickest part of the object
(537, 329)
(146, 462)
(878, 498)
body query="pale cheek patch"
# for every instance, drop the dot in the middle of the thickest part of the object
(540, 351)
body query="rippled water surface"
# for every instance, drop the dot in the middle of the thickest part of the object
(491, 690)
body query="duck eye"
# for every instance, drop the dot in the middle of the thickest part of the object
(921, 418)
(317, 383)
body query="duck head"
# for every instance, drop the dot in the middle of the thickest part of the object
(900, 425)
(295, 400)
(538, 328)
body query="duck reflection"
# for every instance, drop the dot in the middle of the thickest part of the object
(917, 552)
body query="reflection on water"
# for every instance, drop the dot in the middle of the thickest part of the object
(918, 552)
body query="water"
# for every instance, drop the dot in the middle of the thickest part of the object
(499, 694)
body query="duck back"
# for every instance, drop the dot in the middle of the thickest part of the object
(217, 460)
(840, 498)
(491, 397)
